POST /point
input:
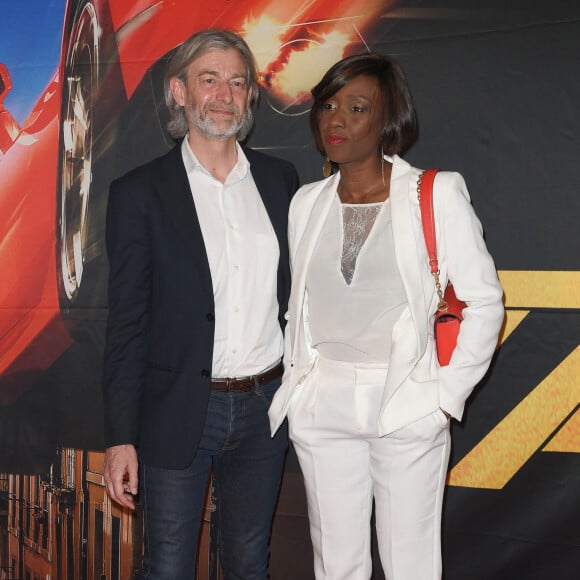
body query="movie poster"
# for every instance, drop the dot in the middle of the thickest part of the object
(81, 103)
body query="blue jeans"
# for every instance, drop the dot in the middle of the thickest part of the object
(247, 470)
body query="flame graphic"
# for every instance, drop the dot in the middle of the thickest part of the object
(303, 68)
(264, 36)
(293, 55)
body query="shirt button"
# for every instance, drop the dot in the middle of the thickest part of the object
(210, 317)
(205, 373)
(236, 267)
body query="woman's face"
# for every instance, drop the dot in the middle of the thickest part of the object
(351, 122)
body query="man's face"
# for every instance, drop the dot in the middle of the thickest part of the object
(216, 94)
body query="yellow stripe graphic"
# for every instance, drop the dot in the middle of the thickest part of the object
(501, 453)
(512, 321)
(540, 289)
(567, 440)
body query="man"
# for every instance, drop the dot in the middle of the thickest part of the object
(199, 282)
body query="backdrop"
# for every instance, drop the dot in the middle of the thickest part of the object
(81, 102)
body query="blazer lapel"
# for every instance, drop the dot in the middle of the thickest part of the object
(409, 333)
(309, 229)
(175, 197)
(408, 236)
(308, 232)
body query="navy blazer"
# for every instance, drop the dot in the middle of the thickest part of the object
(160, 329)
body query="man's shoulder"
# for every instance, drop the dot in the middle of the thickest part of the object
(256, 157)
(147, 171)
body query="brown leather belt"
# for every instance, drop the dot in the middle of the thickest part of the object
(245, 384)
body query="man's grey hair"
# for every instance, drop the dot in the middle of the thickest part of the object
(194, 47)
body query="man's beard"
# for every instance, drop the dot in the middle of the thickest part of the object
(240, 126)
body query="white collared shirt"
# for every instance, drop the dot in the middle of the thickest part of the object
(243, 255)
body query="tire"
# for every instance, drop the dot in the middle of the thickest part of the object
(92, 87)
(76, 170)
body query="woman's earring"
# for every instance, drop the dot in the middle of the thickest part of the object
(327, 168)
(383, 165)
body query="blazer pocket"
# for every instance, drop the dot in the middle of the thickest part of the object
(158, 379)
(159, 367)
(427, 369)
(158, 396)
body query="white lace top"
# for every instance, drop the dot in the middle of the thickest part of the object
(355, 291)
(357, 222)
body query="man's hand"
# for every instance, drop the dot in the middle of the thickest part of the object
(120, 474)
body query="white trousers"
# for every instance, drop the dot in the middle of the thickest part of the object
(333, 422)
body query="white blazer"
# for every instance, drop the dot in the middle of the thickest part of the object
(415, 385)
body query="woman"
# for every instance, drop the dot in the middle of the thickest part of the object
(367, 403)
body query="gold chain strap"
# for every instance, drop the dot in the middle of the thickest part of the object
(442, 306)
(419, 180)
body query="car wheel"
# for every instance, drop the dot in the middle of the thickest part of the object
(79, 90)
(90, 70)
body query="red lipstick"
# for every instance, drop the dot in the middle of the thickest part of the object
(334, 139)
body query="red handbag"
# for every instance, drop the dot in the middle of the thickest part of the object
(449, 310)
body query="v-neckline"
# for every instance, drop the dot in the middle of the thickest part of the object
(365, 243)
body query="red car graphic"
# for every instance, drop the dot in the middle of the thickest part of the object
(90, 124)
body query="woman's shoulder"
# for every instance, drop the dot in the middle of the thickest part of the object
(309, 192)
(447, 183)
(443, 177)
(315, 186)
(450, 185)
(449, 177)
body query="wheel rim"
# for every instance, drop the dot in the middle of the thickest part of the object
(76, 156)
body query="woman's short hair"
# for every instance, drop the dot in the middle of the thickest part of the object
(399, 118)
(194, 47)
